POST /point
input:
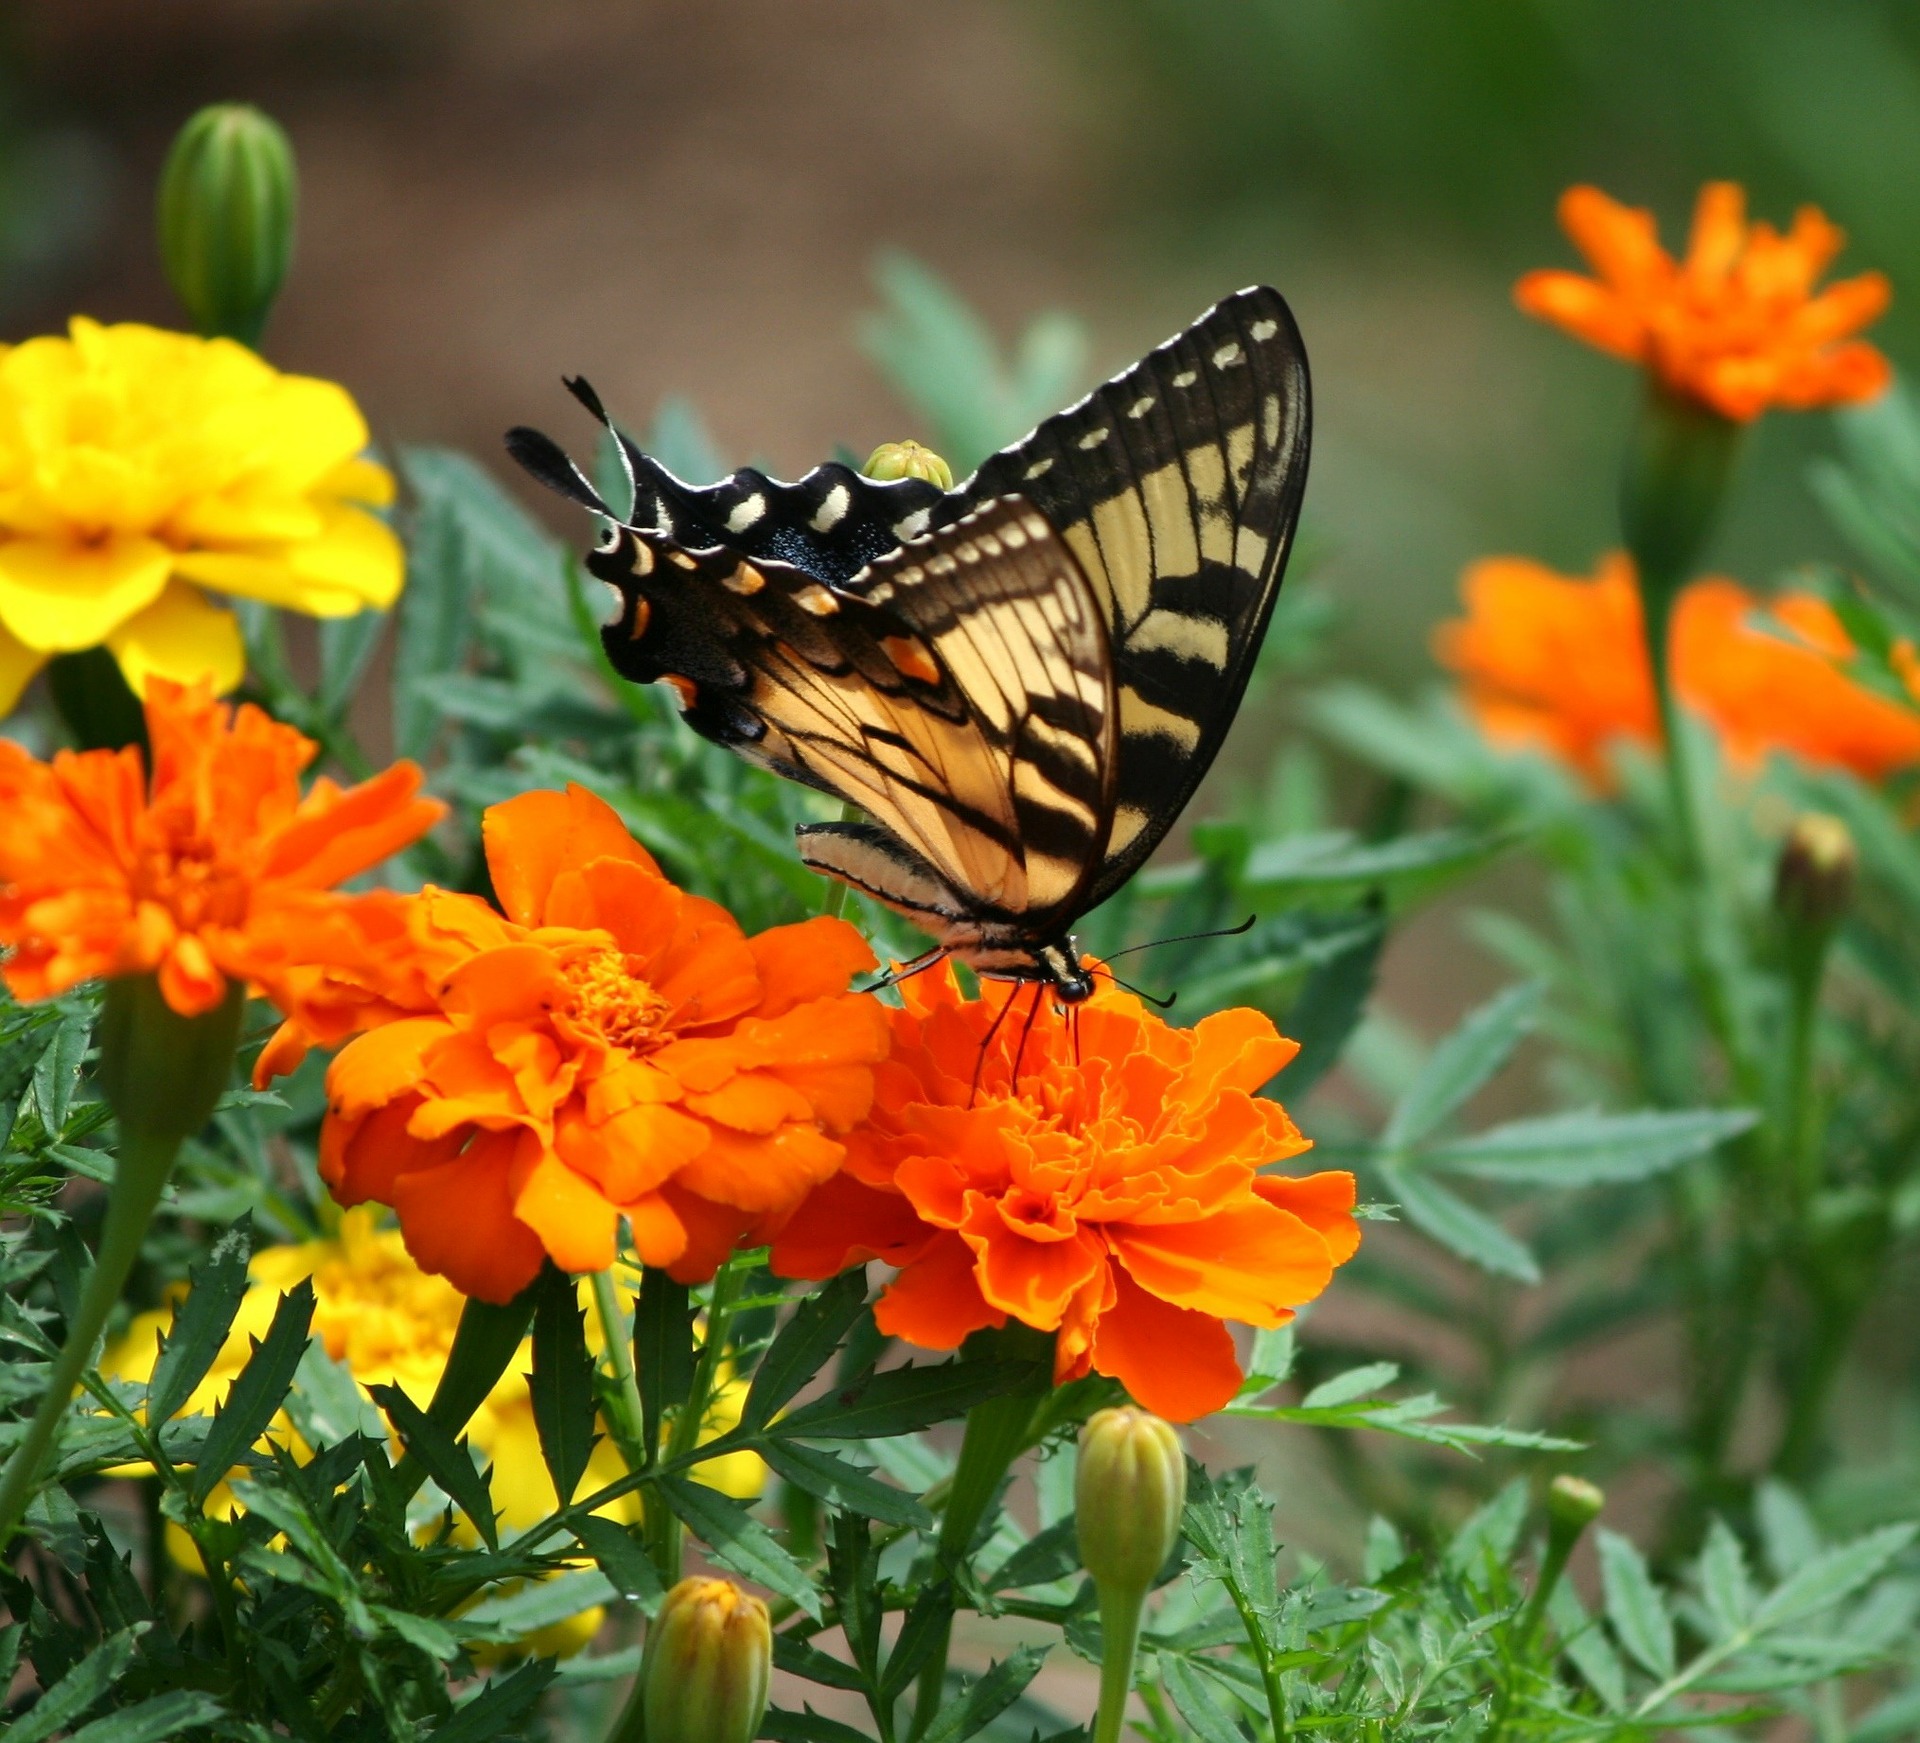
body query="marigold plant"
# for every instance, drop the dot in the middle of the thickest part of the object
(611, 1047)
(1112, 1195)
(140, 467)
(211, 867)
(1560, 663)
(1737, 323)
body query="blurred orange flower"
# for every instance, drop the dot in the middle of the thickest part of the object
(1737, 324)
(217, 868)
(1561, 663)
(1112, 1196)
(612, 1047)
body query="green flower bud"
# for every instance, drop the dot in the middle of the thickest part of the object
(226, 211)
(1572, 1504)
(1813, 882)
(1130, 1489)
(709, 1655)
(893, 460)
(1679, 462)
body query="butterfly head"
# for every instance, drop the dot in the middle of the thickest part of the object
(1061, 968)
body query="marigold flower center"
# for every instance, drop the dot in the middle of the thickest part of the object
(191, 881)
(612, 1001)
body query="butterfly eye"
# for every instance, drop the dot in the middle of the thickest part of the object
(609, 539)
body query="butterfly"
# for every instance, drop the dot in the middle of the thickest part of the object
(1019, 681)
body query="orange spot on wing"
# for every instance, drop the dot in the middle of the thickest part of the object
(910, 658)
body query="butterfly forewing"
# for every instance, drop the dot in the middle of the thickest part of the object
(1177, 486)
(958, 690)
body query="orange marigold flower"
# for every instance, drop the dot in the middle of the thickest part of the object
(217, 868)
(1113, 1196)
(1736, 325)
(1561, 664)
(609, 1047)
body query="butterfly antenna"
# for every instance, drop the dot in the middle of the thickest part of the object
(1246, 925)
(582, 390)
(1139, 992)
(905, 971)
(1026, 1029)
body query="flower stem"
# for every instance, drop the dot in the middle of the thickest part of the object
(138, 1180)
(665, 1536)
(628, 1413)
(1120, 1612)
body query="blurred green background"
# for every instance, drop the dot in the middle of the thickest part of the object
(687, 196)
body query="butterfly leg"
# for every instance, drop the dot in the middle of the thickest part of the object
(986, 1044)
(1026, 1029)
(902, 971)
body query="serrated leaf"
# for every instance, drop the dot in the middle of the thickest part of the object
(153, 1720)
(498, 1706)
(662, 1347)
(1457, 1068)
(803, 1659)
(845, 1485)
(432, 1637)
(57, 1070)
(812, 1333)
(1491, 1532)
(739, 1541)
(1047, 1556)
(1832, 1575)
(325, 1405)
(1588, 1149)
(259, 1391)
(75, 1692)
(1582, 1641)
(1195, 1703)
(1354, 1383)
(901, 1400)
(1323, 1018)
(1787, 1531)
(1639, 1614)
(1458, 1227)
(1723, 1579)
(782, 1725)
(925, 1628)
(215, 1288)
(621, 1559)
(986, 1699)
(449, 1462)
(561, 1384)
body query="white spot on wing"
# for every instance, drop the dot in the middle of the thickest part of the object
(746, 512)
(1264, 330)
(914, 525)
(833, 509)
(1038, 467)
(1228, 355)
(1186, 378)
(1093, 438)
(1141, 406)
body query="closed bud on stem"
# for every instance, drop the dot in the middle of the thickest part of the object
(1679, 462)
(709, 1655)
(893, 460)
(226, 214)
(1813, 882)
(1572, 1504)
(1130, 1489)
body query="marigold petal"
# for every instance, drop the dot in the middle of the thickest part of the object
(458, 1220)
(631, 1154)
(1719, 232)
(377, 1067)
(760, 1174)
(1033, 1280)
(1621, 242)
(189, 981)
(807, 961)
(845, 1222)
(573, 1219)
(839, 1095)
(936, 1302)
(1250, 1262)
(713, 1231)
(531, 839)
(1174, 1361)
(363, 1156)
(182, 636)
(1585, 309)
(659, 1236)
(346, 833)
(1233, 1049)
(57, 594)
(756, 1102)
(1323, 1201)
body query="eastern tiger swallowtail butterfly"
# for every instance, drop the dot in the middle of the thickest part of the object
(1021, 680)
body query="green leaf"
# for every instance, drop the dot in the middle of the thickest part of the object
(1323, 1018)
(926, 1627)
(325, 1405)
(58, 1070)
(1490, 1533)
(782, 1725)
(662, 1347)
(258, 1393)
(739, 1541)
(804, 1344)
(621, 1559)
(484, 1344)
(561, 1385)
(845, 1485)
(75, 1692)
(433, 1637)
(1822, 1582)
(1723, 1580)
(449, 1462)
(1047, 1556)
(799, 1658)
(901, 1400)
(346, 646)
(1787, 1531)
(24, 1038)
(1354, 1383)
(498, 1706)
(1587, 1149)
(1195, 1703)
(153, 1720)
(1583, 1641)
(1458, 1227)
(1462, 1063)
(1634, 1606)
(986, 1699)
(215, 1287)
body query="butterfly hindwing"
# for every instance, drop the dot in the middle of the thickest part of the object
(958, 690)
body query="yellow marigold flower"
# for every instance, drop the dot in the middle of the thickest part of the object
(138, 467)
(388, 1322)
